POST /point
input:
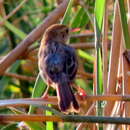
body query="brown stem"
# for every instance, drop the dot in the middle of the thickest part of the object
(13, 12)
(83, 45)
(21, 77)
(85, 74)
(82, 35)
(53, 100)
(105, 48)
(81, 125)
(65, 118)
(114, 58)
(33, 36)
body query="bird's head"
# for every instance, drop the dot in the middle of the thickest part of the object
(57, 32)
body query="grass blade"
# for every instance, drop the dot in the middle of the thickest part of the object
(67, 17)
(124, 23)
(99, 14)
(84, 55)
(49, 124)
(38, 90)
(15, 30)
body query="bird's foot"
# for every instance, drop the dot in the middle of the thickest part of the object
(45, 95)
(81, 93)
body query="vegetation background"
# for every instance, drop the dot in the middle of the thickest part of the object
(102, 41)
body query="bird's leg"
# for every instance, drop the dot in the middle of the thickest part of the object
(80, 91)
(45, 95)
(73, 85)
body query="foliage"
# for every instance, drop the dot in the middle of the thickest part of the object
(88, 18)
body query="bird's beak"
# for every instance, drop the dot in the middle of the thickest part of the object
(74, 30)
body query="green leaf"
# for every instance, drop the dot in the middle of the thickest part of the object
(31, 125)
(35, 125)
(86, 56)
(12, 126)
(78, 17)
(15, 30)
(99, 12)
(81, 18)
(5, 80)
(67, 16)
(38, 90)
(84, 20)
(49, 124)
(100, 73)
(124, 23)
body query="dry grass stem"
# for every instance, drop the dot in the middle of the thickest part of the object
(85, 74)
(65, 118)
(53, 100)
(13, 12)
(126, 83)
(83, 45)
(105, 48)
(21, 77)
(89, 112)
(33, 36)
(114, 58)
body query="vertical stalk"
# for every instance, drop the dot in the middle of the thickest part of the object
(104, 48)
(114, 58)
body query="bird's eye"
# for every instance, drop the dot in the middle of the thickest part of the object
(67, 30)
(63, 35)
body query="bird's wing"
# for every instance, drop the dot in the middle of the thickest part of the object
(54, 66)
(71, 65)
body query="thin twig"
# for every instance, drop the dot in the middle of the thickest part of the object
(29, 78)
(85, 74)
(83, 45)
(83, 4)
(33, 36)
(115, 112)
(109, 98)
(21, 77)
(13, 12)
(27, 101)
(81, 125)
(83, 35)
(53, 100)
(74, 45)
(65, 118)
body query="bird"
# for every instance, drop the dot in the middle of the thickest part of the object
(58, 65)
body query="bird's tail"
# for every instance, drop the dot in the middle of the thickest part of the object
(66, 99)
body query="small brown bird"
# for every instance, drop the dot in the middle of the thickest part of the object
(58, 65)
